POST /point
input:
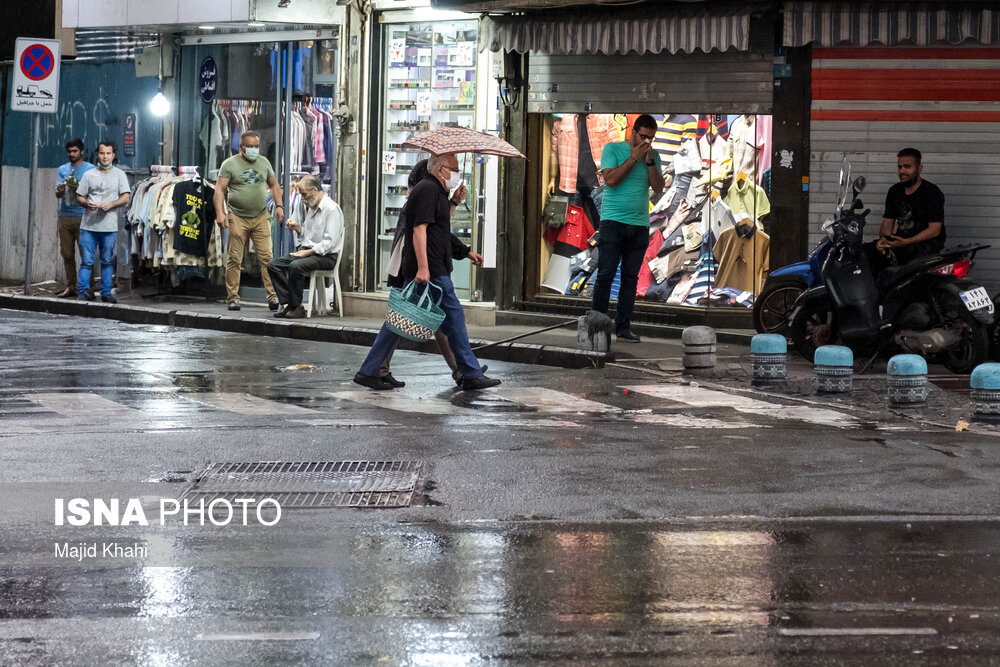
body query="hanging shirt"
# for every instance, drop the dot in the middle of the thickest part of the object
(743, 262)
(601, 130)
(194, 214)
(746, 199)
(69, 205)
(746, 144)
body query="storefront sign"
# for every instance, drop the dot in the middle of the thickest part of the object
(423, 104)
(208, 79)
(388, 162)
(128, 140)
(36, 75)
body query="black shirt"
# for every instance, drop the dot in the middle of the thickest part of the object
(428, 205)
(195, 211)
(913, 213)
(586, 170)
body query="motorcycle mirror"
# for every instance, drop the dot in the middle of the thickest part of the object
(859, 183)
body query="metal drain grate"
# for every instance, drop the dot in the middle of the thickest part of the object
(301, 484)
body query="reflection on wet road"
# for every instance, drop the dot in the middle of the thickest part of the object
(603, 594)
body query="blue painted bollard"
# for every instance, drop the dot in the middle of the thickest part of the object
(769, 356)
(985, 383)
(907, 381)
(834, 369)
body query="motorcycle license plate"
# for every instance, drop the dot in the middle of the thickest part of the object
(974, 299)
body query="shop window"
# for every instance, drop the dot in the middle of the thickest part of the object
(708, 231)
(430, 82)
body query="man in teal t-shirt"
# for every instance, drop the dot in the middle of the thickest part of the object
(630, 168)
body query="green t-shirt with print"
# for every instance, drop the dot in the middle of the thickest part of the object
(247, 191)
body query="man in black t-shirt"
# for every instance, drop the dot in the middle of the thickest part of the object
(913, 221)
(427, 257)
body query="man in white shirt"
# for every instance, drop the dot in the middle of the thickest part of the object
(321, 238)
(101, 192)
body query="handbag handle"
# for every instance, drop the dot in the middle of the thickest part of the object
(408, 292)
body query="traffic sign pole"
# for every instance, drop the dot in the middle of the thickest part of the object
(35, 123)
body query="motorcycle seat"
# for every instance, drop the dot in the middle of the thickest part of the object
(895, 274)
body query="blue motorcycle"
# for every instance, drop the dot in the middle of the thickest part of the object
(773, 307)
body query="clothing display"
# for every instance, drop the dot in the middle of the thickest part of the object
(715, 167)
(160, 215)
(743, 260)
(570, 149)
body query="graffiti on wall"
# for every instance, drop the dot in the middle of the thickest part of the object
(92, 123)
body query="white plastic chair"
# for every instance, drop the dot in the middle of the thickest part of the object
(318, 300)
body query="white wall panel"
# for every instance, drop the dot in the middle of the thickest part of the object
(46, 262)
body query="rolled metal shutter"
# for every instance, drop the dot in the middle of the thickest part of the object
(945, 102)
(731, 81)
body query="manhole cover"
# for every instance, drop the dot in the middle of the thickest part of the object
(300, 484)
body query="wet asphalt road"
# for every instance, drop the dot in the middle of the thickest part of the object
(545, 528)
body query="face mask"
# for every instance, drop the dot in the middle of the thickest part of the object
(105, 167)
(454, 180)
(251, 153)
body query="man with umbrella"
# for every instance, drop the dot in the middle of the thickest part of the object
(427, 257)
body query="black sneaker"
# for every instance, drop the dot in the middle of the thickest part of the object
(393, 381)
(295, 313)
(457, 377)
(234, 305)
(626, 336)
(108, 298)
(281, 311)
(481, 382)
(273, 304)
(371, 381)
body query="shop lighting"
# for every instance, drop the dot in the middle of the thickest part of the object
(159, 105)
(256, 25)
(206, 27)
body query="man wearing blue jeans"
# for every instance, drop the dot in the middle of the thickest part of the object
(427, 257)
(101, 192)
(624, 230)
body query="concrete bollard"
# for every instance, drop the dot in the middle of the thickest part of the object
(593, 332)
(833, 366)
(699, 350)
(985, 384)
(907, 381)
(769, 356)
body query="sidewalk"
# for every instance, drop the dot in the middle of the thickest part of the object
(557, 347)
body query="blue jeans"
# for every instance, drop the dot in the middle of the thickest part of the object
(453, 327)
(89, 243)
(616, 243)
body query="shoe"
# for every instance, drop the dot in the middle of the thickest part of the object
(457, 377)
(626, 336)
(90, 296)
(67, 293)
(281, 311)
(295, 313)
(234, 305)
(107, 298)
(481, 382)
(273, 304)
(82, 297)
(393, 381)
(371, 382)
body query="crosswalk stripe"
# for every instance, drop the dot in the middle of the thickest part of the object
(706, 398)
(402, 402)
(550, 401)
(247, 404)
(79, 404)
(689, 421)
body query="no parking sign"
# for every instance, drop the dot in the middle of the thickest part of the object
(36, 75)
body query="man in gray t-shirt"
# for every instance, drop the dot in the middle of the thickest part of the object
(102, 192)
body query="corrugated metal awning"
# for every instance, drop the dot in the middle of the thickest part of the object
(97, 45)
(612, 32)
(891, 23)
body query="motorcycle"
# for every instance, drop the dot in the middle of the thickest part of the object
(772, 309)
(926, 306)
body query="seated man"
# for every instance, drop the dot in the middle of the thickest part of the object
(913, 222)
(321, 238)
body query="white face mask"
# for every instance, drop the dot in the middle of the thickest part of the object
(454, 180)
(251, 153)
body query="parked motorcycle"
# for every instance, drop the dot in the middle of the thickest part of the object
(926, 306)
(773, 307)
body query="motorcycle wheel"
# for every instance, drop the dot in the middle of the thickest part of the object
(974, 347)
(772, 309)
(813, 325)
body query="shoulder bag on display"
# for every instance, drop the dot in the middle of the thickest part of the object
(554, 213)
(415, 316)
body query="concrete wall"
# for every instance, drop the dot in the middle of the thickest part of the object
(47, 263)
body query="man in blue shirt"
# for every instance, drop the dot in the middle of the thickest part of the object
(70, 211)
(630, 168)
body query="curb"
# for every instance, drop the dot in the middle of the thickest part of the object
(522, 353)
